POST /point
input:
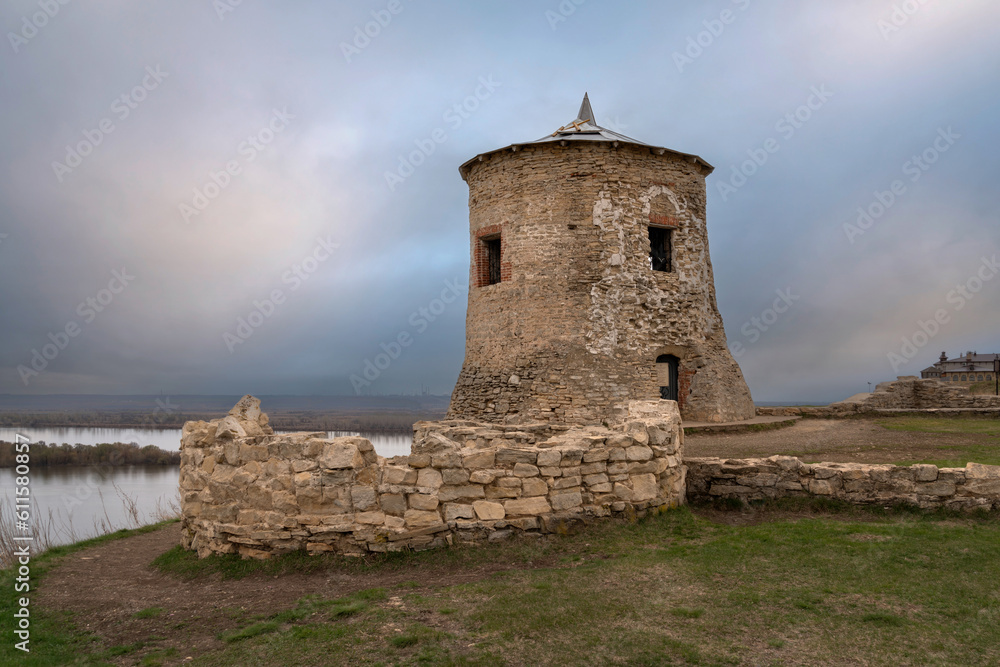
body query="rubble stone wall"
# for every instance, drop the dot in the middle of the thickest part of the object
(247, 490)
(905, 393)
(972, 487)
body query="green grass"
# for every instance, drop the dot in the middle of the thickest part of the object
(984, 387)
(903, 587)
(55, 638)
(149, 612)
(845, 586)
(983, 447)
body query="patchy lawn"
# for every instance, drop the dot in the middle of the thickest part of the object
(905, 440)
(794, 584)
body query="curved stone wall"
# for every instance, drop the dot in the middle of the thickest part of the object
(247, 490)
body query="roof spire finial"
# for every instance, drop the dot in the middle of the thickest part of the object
(586, 113)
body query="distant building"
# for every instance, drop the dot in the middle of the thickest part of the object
(973, 367)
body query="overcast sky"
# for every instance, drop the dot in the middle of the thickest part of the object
(116, 114)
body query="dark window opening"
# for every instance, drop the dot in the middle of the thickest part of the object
(492, 261)
(660, 249)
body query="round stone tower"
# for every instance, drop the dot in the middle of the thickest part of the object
(591, 285)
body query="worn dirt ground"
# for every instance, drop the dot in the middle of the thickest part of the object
(834, 440)
(105, 586)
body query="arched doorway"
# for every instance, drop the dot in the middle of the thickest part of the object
(666, 376)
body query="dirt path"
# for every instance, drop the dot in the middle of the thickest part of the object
(106, 585)
(836, 440)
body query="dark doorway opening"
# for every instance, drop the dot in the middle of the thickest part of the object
(667, 366)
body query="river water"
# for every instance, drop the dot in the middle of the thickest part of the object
(72, 503)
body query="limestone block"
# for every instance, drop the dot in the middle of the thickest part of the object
(446, 460)
(571, 458)
(483, 476)
(284, 501)
(566, 482)
(549, 458)
(821, 487)
(979, 471)
(566, 500)
(595, 455)
(429, 478)
(644, 487)
(525, 470)
(372, 518)
(393, 503)
(533, 486)
(488, 511)
(941, 488)
(595, 480)
(421, 519)
(338, 456)
(420, 460)
(638, 453)
(479, 460)
(302, 465)
(925, 473)
(507, 456)
(455, 511)
(527, 506)
(246, 409)
(455, 476)
(469, 491)
(419, 501)
(399, 475)
(229, 428)
(636, 430)
(622, 491)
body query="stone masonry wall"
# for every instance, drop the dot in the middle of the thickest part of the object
(574, 328)
(905, 393)
(973, 487)
(247, 490)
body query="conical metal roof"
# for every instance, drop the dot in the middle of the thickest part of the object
(585, 128)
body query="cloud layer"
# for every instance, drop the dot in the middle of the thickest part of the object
(221, 153)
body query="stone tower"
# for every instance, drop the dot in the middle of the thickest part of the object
(590, 284)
